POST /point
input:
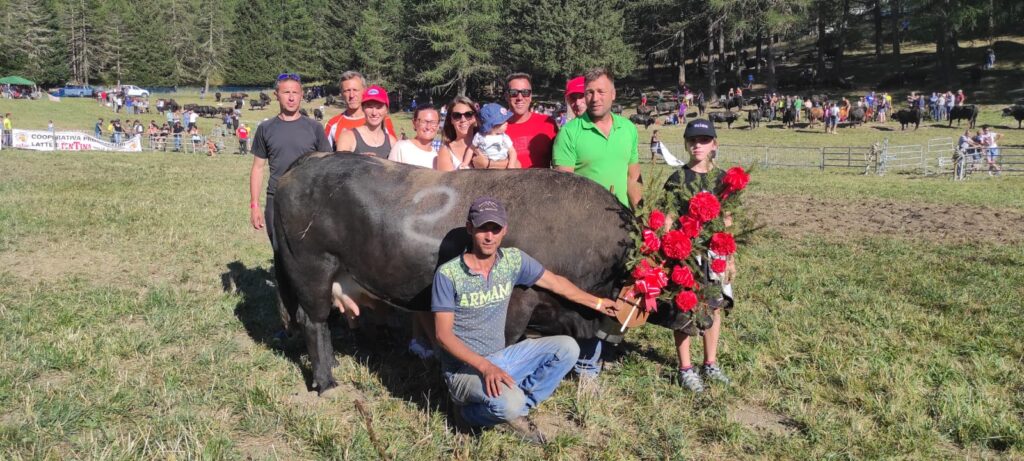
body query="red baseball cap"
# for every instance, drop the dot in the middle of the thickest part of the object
(376, 93)
(576, 85)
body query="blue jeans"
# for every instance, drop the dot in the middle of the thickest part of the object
(536, 365)
(589, 363)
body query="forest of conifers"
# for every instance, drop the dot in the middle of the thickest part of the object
(458, 45)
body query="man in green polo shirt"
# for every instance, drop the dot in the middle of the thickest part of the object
(600, 145)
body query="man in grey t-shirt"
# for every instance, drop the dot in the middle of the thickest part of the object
(281, 140)
(490, 383)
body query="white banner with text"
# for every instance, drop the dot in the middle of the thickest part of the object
(70, 140)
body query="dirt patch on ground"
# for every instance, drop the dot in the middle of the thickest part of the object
(799, 216)
(760, 419)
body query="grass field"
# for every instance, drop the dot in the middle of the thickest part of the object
(135, 319)
(877, 317)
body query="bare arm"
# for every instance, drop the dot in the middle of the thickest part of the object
(346, 142)
(633, 189)
(563, 287)
(513, 158)
(492, 374)
(565, 169)
(444, 159)
(482, 162)
(255, 185)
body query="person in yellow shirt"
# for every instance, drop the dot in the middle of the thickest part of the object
(8, 126)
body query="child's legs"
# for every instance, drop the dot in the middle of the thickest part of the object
(683, 349)
(711, 337)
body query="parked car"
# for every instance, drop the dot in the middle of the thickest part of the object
(74, 91)
(133, 91)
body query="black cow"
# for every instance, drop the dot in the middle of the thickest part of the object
(264, 97)
(216, 96)
(789, 117)
(969, 113)
(753, 118)
(723, 117)
(906, 117)
(255, 104)
(665, 107)
(1017, 112)
(318, 114)
(617, 109)
(735, 101)
(642, 119)
(856, 116)
(350, 224)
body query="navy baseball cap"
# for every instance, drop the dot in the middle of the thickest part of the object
(699, 127)
(485, 210)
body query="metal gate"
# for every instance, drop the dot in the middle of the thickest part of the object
(909, 158)
(859, 158)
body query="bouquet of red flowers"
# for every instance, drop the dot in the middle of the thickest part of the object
(664, 264)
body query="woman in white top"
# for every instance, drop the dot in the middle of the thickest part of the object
(419, 150)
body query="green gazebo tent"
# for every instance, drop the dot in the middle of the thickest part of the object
(16, 80)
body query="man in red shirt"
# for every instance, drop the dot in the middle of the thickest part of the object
(532, 134)
(352, 86)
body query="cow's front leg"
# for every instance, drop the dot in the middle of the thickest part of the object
(321, 352)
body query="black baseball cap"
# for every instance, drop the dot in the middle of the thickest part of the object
(699, 127)
(485, 210)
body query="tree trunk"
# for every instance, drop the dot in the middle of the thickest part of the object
(820, 23)
(721, 44)
(837, 66)
(991, 22)
(771, 66)
(877, 14)
(757, 52)
(711, 96)
(681, 55)
(738, 60)
(895, 15)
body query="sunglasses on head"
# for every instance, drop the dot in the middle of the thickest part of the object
(524, 93)
(287, 76)
(468, 115)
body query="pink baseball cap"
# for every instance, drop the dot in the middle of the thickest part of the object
(576, 85)
(376, 93)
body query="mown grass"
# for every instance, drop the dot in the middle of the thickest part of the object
(136, 322)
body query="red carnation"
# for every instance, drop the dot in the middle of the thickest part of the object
(722, 244)
(734, 181)
(657, 278)
(656, 220)
(689, 226)
(676, 245)
(704, 207)
(651, 242)
(683, 276)
(686, 300)
(641, 271)
(718, 265)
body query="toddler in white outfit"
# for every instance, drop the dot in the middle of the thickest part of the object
(490, 140)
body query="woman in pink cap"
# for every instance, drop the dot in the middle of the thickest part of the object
(371, 138)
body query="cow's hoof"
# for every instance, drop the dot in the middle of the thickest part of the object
(327, 391)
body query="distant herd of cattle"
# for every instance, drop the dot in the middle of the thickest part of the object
(788, 116)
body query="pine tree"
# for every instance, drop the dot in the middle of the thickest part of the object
(462, 37)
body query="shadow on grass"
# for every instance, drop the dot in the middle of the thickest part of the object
(381, 350)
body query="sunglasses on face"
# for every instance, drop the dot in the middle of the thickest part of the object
(468, 115)
(523, 93)
(287, 76)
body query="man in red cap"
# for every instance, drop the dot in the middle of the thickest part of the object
(575, 102)
(532, 134)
